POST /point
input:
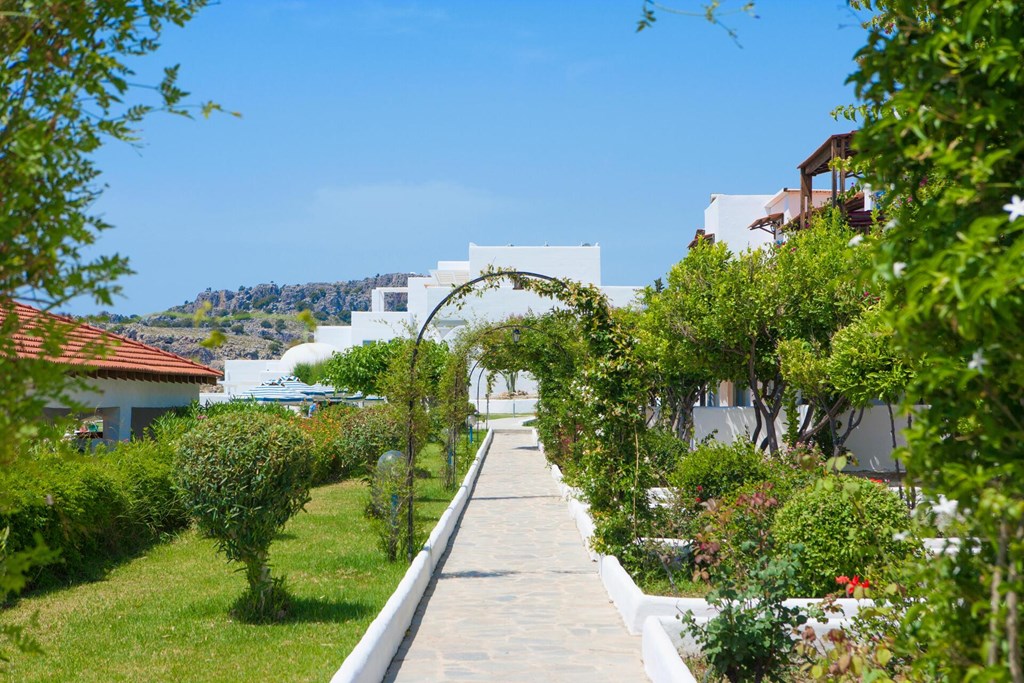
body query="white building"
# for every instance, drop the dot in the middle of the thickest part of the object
(123, 383)
(748, 221)
(382, 323)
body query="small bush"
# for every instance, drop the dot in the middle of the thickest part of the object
(332, 456)
(845, 527)
(244, 476)
(715, 469)
(665, 451)
(369, 432)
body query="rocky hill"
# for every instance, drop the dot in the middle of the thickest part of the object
(257, 322)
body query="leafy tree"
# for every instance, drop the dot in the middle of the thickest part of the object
(941, 85)
(500, 352)
(676, 380)
(361, 368)
(66, 90)
(726, 315)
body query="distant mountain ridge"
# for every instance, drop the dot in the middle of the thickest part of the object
(326, 300)
(258, 322)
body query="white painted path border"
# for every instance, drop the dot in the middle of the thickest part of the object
(369, 660)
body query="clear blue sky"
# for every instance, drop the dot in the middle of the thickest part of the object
(384, 136)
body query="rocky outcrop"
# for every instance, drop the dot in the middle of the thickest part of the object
(257, 322)
(326, 300)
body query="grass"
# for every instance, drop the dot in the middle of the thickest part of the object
(684, 586)
(497, 416)
(164, 615)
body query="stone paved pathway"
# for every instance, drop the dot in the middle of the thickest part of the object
(517, 598)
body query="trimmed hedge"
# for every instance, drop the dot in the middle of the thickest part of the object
(91, 507)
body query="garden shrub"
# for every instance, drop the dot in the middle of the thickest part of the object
(369, 432)
(845, 526)
(92, 508)
(715, 469)
(332, 457)
(744, 516)
(664, 451)
(244, 476)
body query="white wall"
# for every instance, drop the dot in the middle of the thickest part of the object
(870, 443)
(728, 424)
(728, 218)
(114, 399)
(245, 374)
(335, 335)
(575, 263)
(374, 326)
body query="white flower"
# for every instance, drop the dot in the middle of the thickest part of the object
(1015, 208)
(944, 507)
(901, 536)
(898, 268)
(978, 361)
(855, 240)
(890, 225)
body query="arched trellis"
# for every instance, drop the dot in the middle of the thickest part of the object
(410, 431)
(482, 333)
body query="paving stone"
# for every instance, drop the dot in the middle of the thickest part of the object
(517, 598)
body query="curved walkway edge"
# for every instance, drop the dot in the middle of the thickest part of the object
(368, 662)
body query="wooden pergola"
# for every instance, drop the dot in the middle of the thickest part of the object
(820, 161)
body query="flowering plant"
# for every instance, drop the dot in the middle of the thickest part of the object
(855, 587)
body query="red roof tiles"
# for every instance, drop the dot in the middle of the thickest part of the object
(90, 350)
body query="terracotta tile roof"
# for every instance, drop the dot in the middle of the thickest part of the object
(95, 352)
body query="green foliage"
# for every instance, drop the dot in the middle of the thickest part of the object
(746, 515)
(725, 315)
(388, 504)
(362, 368)
(332, 457)
(845, 527)
(864, 366)
(91, 508)
(66, 90)
(500, 352)
(243, 477)
(751, 636)
(664, 451)
(348, 442)
(311, 373)
(941, 85)
(715, 469)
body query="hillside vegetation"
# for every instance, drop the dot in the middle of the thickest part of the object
(259, 322)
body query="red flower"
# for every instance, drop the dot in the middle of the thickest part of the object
(842, 580)
(853, 584)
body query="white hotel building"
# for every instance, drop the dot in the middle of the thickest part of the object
(381, 323)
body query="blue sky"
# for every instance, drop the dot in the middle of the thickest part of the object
(383, 136)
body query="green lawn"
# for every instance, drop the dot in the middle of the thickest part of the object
(164, 615)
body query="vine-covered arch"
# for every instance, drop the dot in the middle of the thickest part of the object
(612, 467)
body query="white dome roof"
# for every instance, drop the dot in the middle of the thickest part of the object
(311, 353)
